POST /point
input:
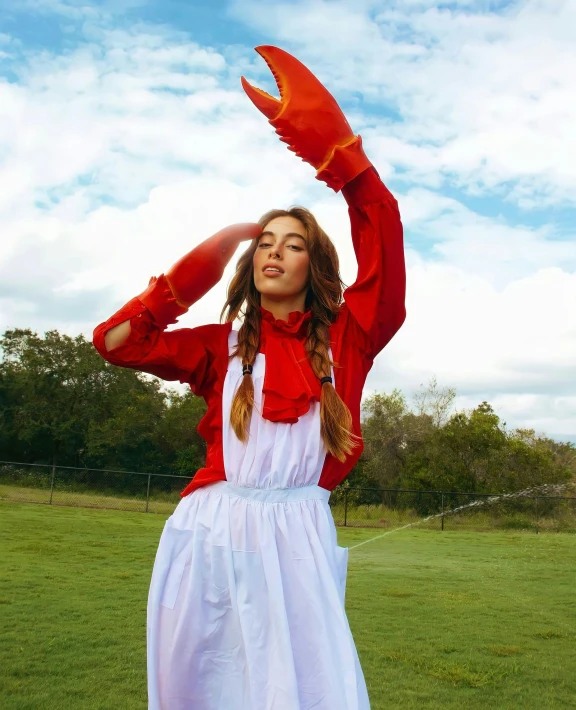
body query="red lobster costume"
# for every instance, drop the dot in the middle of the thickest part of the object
(246, 603)
(310, 121)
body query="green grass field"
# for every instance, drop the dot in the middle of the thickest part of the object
(441, 619)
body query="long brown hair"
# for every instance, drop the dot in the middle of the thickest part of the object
(324, 298)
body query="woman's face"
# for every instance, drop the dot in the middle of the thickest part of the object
(281, 261)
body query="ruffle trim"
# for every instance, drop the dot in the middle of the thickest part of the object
(289, 381)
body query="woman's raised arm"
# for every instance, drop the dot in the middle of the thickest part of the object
(309, 120)
(136, 335)
(377, 297)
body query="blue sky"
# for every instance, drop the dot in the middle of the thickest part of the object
(125, 139)
(50, 25)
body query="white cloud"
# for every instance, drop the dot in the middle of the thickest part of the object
(120, 156)
(485, 97)
(499, 345)
(482, 246)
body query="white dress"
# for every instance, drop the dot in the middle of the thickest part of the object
(246, 602)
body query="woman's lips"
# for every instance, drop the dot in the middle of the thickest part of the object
(271, 274)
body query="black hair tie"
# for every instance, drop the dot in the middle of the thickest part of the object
(325, 379)
(247, 370)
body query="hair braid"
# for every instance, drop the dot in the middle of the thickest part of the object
(324, 298)
(335, 418)
(246, 350)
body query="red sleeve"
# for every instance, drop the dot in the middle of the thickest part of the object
(376, 299)
(186, 354)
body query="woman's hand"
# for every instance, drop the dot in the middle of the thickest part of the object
(196, 272)
(232, 235)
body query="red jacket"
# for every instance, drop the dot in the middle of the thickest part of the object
(372, 312)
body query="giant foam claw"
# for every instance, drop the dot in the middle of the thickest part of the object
(306, 116)
(265, 103)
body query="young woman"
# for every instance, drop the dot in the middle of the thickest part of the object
(246, 603)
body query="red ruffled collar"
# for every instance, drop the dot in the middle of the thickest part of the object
(289, 381)
(295, 325)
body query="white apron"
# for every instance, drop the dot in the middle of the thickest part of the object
(246, 602)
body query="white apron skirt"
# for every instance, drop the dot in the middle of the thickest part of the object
(246, 605)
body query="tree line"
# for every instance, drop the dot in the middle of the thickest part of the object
(60, 402)
(425, 445)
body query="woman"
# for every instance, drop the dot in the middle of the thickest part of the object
(246, 603)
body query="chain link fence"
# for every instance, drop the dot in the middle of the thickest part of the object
(90, 487)
(454, 510)
(351, 507)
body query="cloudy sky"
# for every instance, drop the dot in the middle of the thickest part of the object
(125, 139)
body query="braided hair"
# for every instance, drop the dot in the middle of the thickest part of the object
(323, 298)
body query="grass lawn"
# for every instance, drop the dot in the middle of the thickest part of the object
(89, 499)
(441, 619)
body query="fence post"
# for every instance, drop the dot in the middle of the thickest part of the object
(148, 492)
(345, 506)
(537, 526)
(52, 480)
(442, 511)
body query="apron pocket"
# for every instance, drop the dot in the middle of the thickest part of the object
(173, 553)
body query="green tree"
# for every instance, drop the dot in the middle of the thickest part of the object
(61, 401)
(177, 436)
(473, 452)
(534, 461)
(462, 455)
(393, 431)
(385, 437)
(126, 438)
(49, 392)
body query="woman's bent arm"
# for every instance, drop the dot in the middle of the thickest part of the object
(117, 335)
(136, 335)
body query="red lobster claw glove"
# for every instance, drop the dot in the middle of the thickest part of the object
(198, 271)
(309, 120)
